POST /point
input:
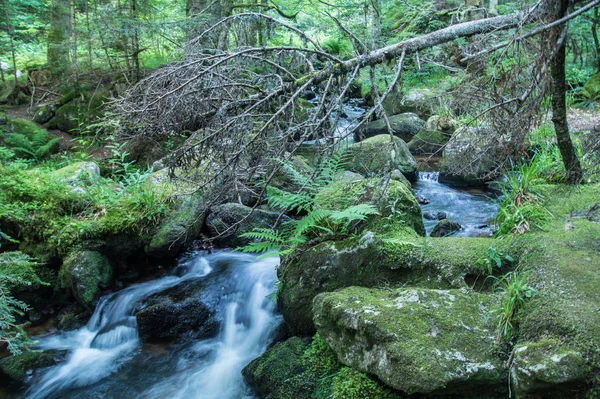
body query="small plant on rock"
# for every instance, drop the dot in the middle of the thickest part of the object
(514, 293)
(496, 259)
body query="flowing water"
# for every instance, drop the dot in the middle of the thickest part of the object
(107, 360)
(473, 209)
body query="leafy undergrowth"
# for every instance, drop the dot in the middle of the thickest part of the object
(40, 205)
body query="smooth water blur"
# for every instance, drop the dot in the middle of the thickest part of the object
(107, 360)
(474, 210)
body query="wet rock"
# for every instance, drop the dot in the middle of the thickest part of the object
(86, 274)
(72, 317)
(434, 215)
(547, 366)
(445, 228)
(286, 177)
(268, 373)
(17, 368)
(166, 321)
(414, 340)
(404, 126)
(421, 199)
(221, 223)
(376, 156)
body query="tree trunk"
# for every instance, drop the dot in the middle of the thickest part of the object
(595, 37)
(12, 44)
(58, 37)
(74, 62)
(559, 106)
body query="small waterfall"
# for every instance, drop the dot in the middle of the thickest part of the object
(106, 358)
(429, 176)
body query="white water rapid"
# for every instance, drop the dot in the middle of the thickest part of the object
(106, 358)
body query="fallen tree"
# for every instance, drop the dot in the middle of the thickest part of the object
(243, 105)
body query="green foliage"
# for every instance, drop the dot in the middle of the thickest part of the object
(495, 259)
(36, 147)
(319, 358)
(519, 207)
(17, 271)
(338, 46)
(352, 384)
(317, 222)
(47, 207)
(514, 293)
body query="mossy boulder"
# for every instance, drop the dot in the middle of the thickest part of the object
(592, 86)
(423, 102)
(86, 274)
(44, 113)
(7, 89)
(18, 367)
(395, 202)
(227, 222)
(23, 126)
(182, 226)
(78, 175)
(371, 261)
(268, 373)
(428, 142)
(168, 320)
(404, 126)
(77, 113)
(547, 365)
(377, 156)
(286, 177)
(471, 156)
(414, 340)
(445, 227)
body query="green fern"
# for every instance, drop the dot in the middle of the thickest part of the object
(35, 147)
(316, 222)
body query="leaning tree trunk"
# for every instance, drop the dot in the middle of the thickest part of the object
(559, 106)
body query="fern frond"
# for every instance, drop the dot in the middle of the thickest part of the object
(264, 234)
(260, 247)
(42, 151)
(283, 200)
(355, 212)
(313, 221)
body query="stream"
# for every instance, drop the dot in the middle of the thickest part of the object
(472, 208)
(106, 358)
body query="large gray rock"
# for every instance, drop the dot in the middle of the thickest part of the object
(377, 156)
(404, 126)
(547, 366)
(430, 142)
(227, 222)
(189, 319)
(471, 156)
(414, 340)
(86, 274)
(79, 175)
(290, 176)
(44, 113)
(423, 102)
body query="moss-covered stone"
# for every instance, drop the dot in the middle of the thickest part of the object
(369, 261)
(397, 206)
(428, 142)
(268, 373)
(227, 222)
(471, 156)
(286, 177)
(86, 274)
(77, 113)
(592, 86)
(18, 367)
(415, 340)
(78, 175)
(547, 365)
(44, 113)
(352, 384)
(377, 156)
(6, 90)
(179, 228)
(404, 126)
(445, 227)
(422, 102)
(24, 127)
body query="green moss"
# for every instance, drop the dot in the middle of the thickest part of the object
(428, 142)
(415, 340)
(592, 86)
(352, 384)
(24, 127)
(86, 273)
(17, 367)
